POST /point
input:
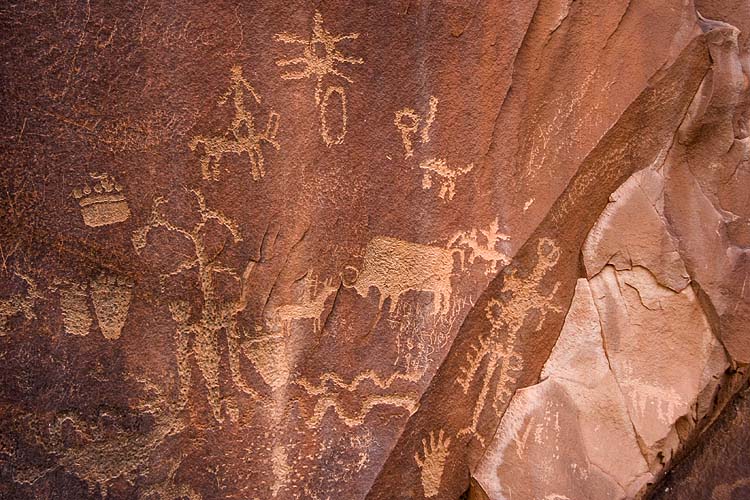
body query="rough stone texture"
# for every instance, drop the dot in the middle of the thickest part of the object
(559, 436)
(375, 250)
(717, 469)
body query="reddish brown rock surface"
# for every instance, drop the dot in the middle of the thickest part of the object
(373, 250)
(717, 468)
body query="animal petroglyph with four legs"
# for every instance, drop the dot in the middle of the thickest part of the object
(445, 175)
(241, 136)
(394, 267)
(310, 307)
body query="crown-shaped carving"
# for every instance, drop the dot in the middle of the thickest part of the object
(102, 203)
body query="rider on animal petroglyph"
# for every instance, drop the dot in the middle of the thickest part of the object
(244, 138)
(482, 244)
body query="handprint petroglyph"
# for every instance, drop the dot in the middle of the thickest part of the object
(432, 463)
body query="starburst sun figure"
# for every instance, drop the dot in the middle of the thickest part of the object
(320, 57)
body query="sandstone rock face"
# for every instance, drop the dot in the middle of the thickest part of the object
(717, 467)
(373, 250)
(560, 436)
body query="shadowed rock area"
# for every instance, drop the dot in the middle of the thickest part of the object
(349, 250)
(717, 468)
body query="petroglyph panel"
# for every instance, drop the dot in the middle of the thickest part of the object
(235, 148)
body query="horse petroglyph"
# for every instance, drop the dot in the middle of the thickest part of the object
(498, 346)
(102, 204)
(394, 267)
(320, 58)
(241, 136)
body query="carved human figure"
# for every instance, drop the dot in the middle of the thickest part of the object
(200, 338)
(498, 346)
(241, 136)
